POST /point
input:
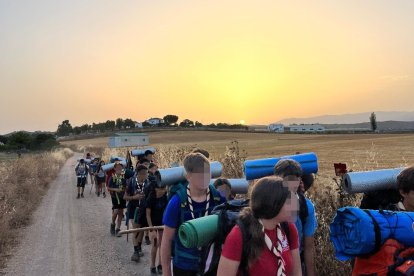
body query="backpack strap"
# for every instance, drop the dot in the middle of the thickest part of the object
(246, 237)
(376, 230)
(215, 194)
(285, 228)
(303, 209)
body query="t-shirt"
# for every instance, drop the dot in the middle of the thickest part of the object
(81, 169)
(266, 264)
(310, 226)
(92, 167)
(157, 206)
(116, 182)
(134, 188)
(185, 258)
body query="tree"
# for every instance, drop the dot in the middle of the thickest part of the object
(84, 128)
(3, 139)
(77, 130)
(170, 119)
(64, 129)
(43, 141)
(187, 123)
(110, 125)
(198, 124)
(20, 140)
(373, 120)
(119, 123)
(129, 123)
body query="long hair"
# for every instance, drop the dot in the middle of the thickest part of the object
(268, 197)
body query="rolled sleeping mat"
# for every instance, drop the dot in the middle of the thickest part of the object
(254, 169)
(198, 232)
(137, 152)
(175, 175)
(87, 161)
(238, 185)
(369, 181)
(353, 233)
(110, 166)
(113, 158)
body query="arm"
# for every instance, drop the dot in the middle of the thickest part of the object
(309, 252)
(167, 239)
(227, 267)
(297, 267)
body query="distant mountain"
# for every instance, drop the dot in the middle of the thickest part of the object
(382, 126)
(382, 116)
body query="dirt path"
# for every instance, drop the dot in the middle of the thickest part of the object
(71, 236)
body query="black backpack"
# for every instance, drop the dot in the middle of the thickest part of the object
(228, 217)
(381, 200)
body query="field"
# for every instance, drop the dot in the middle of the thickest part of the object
(359, 152)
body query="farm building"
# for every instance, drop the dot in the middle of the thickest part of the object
(138, 125)
(276, 128)
(128, 140)
(306, 128)
(155, 121)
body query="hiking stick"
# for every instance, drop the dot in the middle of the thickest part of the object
(141, 230)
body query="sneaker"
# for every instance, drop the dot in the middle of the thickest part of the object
(135, 257)
(103, 195)
(153, 270)
(140, 253)
(117, 233)
(147, 240)
(159, 269)
(82, 196)
(112, 229)
(78, 196)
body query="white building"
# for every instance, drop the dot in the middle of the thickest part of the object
(306, 128)
(276, 128)
(128, 140)
(138, 125)
(155, 121)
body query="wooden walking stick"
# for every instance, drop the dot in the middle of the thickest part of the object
(137, 230)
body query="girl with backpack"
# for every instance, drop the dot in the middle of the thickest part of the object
(100, 178)
(273, 249)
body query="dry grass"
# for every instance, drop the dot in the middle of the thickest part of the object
(23, 182)
(359, 152)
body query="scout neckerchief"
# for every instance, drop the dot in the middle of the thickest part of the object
(190, 202)
(276, 250)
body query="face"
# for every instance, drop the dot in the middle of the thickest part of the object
(225, 191)
(292, 182)
(153, 169)
(289, 211)
(200, 180)
(149, 157)
(146, 164)
(118, 169)
(142, 175)
(408, 200)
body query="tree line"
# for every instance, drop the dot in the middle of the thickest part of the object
(23, 140)
(66, 129)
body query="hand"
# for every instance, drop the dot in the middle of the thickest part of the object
(138, 196)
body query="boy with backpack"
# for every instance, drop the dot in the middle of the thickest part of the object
(81, 170)
(156, 203)
(116, 187)
(405, 184)
(197, 199)
(135, 195)
(306, 224)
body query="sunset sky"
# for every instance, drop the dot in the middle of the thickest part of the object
(211, 61)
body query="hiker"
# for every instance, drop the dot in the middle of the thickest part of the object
(117, 184)
(92, 169)
(100, 179)
(224, 187)
(306, 224)
(81, 170)
(136, 197)
(149, 155)
(156, 203)
(187, 202)
(405, 184)
(273, 249)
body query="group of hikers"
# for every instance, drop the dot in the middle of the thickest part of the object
(274, 233)
(94, 170)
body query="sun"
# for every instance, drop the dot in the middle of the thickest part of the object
(242, 122)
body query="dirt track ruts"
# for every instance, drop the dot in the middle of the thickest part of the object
(70, 236)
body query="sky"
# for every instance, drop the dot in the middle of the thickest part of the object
(209, 61)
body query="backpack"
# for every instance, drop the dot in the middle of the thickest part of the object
(303, 209)
(229, 217)
(81, 169)
(380, 200)
(392, 259)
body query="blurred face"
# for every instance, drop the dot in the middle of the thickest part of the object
(224, 191)
(153, 169)
(289, 211)
(150, 157)
(142, 175)
(200, 180)
(292, 182)
(146, 164)
(118, 169)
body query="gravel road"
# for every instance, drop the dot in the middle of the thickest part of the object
(70, 236)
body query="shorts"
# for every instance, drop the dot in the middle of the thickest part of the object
(118, 203)
(81, 182)
(140, 217)
(100, 180)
